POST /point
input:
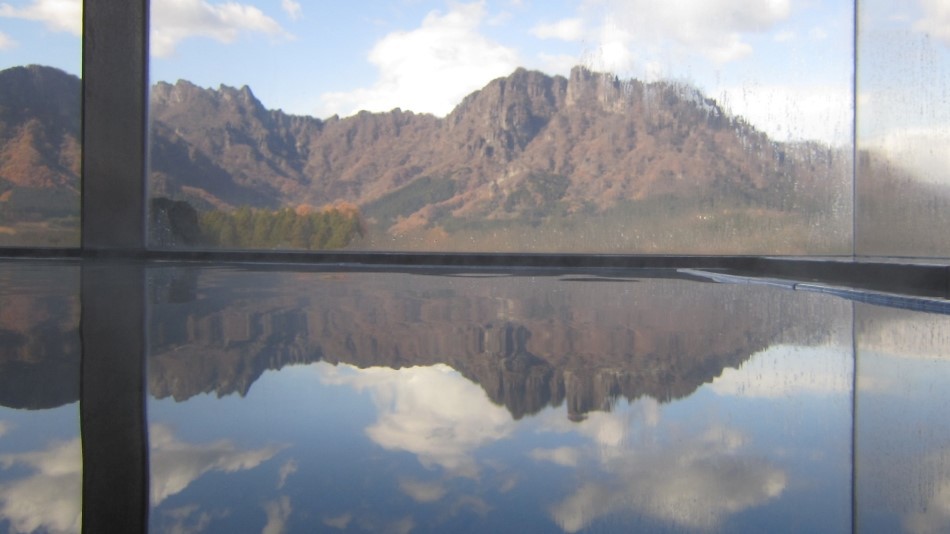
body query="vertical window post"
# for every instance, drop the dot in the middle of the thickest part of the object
(114, 125)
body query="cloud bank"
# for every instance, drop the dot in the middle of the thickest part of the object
(50, 497)
(429, 69)
(936, 20)
(174, 21)
(56, 15)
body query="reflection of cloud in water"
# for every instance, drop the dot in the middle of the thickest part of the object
(51, 497)
(289, 468)
(190, 519)
(432, 412)
(922, 494)
(934, 516)
(421, 491)
(176, 464)
(338, 522)
(566, 456)
(278, 512)
(693, 482)
(785, 370)
(609, 430)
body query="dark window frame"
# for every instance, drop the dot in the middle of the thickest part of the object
(115, 87)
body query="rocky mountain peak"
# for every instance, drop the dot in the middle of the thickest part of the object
(501, 119)
(585, 87)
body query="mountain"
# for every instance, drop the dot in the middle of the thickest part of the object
(529, 162)
(40, 151)
(526, 149)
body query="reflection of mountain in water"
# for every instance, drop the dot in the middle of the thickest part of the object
(529, 342)
(39, 336)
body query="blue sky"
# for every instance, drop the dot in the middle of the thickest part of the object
(784, 64)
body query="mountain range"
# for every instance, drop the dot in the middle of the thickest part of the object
(592, 160)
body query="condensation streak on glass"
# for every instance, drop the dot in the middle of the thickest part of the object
(617, 127)
(903, 130)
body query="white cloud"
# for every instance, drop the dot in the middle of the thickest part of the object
(557, 63)
(176, 464)
(794, 113)
(784, 36)
(613, 52)
(714, 29)
(432, 412)
(936, 20)
(429, 69)
(502, 18)
(782, 371)
(6, 42)
(292, 8)
(176, 20)
(57, 15)
(924, 152)
(565, 30)
(48, 499)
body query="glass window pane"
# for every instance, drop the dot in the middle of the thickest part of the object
(902, 436)
(903, 121)
(618, 126)
(40, 113)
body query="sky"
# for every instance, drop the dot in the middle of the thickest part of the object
(785, 65)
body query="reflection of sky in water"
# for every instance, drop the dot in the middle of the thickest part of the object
(40, 470)
(424, 449)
